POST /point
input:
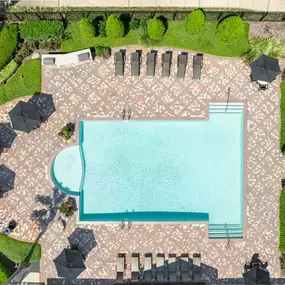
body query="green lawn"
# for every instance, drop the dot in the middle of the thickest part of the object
(25, 82)
(175, 37)
(19, 251)
(282, 117)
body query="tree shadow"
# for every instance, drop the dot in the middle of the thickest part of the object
(165, 23)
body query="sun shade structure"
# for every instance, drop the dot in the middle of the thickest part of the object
(25, 117)
(69, 264)
(7, 179)
(7, 135)
(265, 68)
(256, 276)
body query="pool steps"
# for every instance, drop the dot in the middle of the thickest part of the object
(223, 107)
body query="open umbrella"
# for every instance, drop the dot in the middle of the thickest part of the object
(7, 179)
(25, 117)
(256, 275)
(265, 68)
(84, 239)
(7, 135)
(69, 264)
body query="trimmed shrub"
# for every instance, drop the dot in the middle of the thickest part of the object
(274, 47)
(104, 52)
(5, 272)
(40, 30)
(194, 22)
(155, 29)
(8, 43)
(134, 24)
(230, 29)
(114, 27)
(282, 218)
(18, 251)
(26, 50)
(8, 71)
(87, 30)
(102, 28)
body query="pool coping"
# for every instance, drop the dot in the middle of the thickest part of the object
(206, 117)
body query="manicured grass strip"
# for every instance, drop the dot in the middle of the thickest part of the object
(25, 82)
(282, 221)
(175, 37)
(8, 71)
(282, 117)
(19, 251)
(8, 43)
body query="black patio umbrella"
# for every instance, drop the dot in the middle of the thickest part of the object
(7, 135)
(69, 264)
(256, 275)
(265, 68)
(44, 103)
(7, 179)
(25, 117)
(84, 239)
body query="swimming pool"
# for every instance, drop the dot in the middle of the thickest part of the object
(159, 170)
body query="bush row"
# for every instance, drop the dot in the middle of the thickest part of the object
(8, 71)
(282, 133)
(8, 43)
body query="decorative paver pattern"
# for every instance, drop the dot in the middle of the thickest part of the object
(91, 90)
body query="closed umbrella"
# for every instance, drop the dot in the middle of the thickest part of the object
(265, 68)
(69, 264)
(256, 276)
(25, 117)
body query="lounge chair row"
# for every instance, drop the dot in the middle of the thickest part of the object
(174, 269)
(136, 60)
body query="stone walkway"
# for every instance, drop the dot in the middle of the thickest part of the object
(91, 90)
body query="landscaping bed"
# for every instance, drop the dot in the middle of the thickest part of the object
(282, 119)
(19, 251)
(175, 37)
(25, 82)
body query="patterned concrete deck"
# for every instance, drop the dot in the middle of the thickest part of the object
(91, 90)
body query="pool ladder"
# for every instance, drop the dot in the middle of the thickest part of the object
(126, 116)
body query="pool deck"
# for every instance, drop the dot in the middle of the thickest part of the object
(91, 90)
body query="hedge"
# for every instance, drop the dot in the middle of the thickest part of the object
(194, 22)
(114, 27)
(155, 29)
(282, 117)
(5, 272)
(87, 30)
(40, 30)
(25, 82)
(230, 29)
(282, 221)
(18, 251)
(8, 71)
(8, 43)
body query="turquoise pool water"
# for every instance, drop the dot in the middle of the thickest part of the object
(155, 170)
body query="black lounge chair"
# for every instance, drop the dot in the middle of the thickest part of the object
(160, 267)
(121, 265)
(184, 267)
(181, 65)
(172, 268)
(196, 267)
(166, 64)
(197, 65)
(135, 63)
(150, 63)
(148, 276)
(135, 267)
(119, 63)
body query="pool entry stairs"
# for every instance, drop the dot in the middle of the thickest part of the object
(223, 107)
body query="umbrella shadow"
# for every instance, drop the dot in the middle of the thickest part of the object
(7, 135)
(7, 178)
(84, 239)
(45, 105)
